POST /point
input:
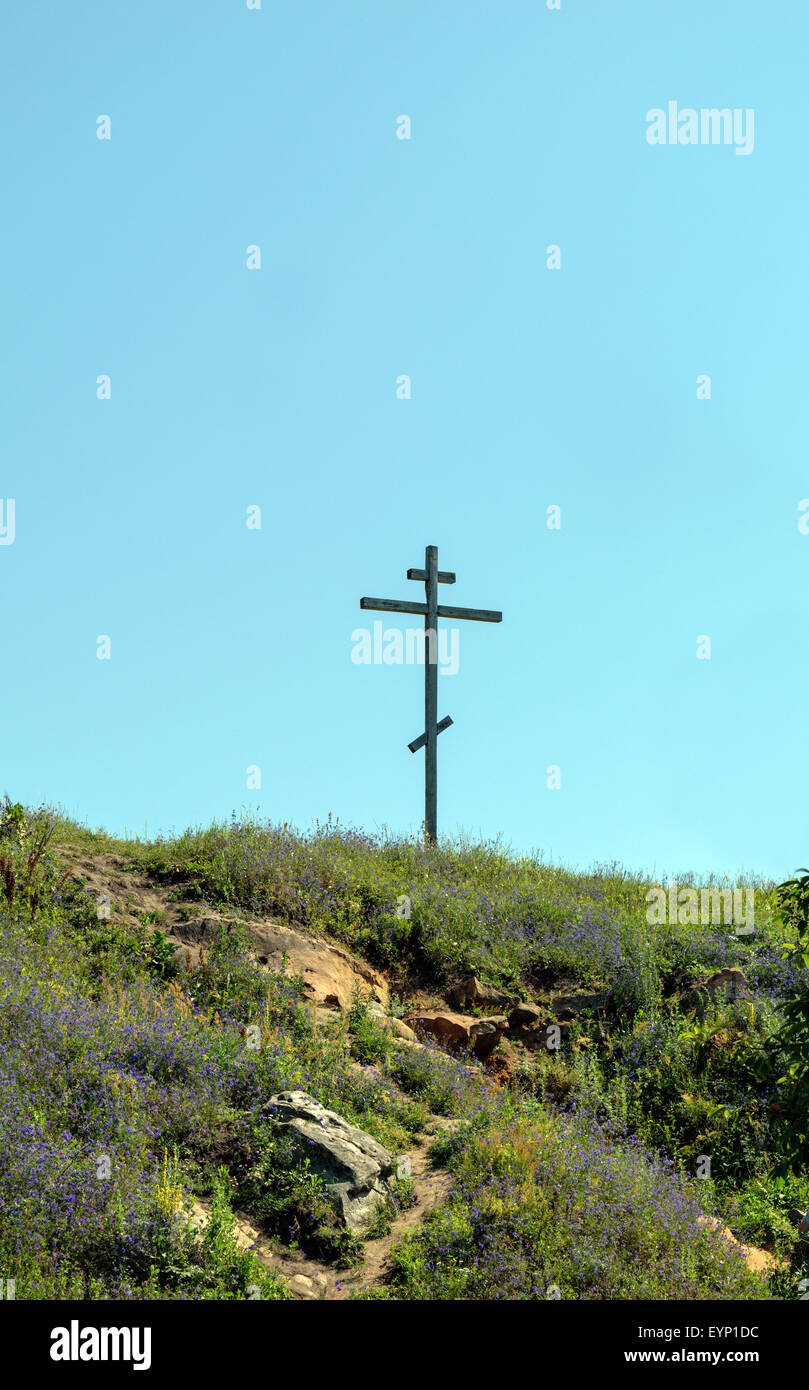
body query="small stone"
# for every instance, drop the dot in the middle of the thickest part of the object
(244, 1236)
(401, 1030)
(302, 1286)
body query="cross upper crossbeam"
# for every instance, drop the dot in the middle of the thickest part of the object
(443, 576)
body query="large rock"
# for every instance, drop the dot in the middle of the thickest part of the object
(330, 974)
(459, 1031)
(355, 1168)
(726, 984)
(471, 990)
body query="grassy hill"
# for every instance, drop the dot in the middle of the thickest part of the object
(128, 1093)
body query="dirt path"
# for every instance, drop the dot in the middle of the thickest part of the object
(312, 1279)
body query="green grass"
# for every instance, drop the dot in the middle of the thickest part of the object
(584, 1178)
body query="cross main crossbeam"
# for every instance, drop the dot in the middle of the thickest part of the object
(443, 610)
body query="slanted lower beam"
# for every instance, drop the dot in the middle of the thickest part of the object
(422, 738)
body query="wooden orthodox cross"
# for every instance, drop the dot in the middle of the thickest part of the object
(432, 576)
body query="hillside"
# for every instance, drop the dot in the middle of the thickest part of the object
(245, 1062)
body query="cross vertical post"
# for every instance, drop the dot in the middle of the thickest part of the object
(431, 694)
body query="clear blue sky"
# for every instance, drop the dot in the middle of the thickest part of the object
(531, 387)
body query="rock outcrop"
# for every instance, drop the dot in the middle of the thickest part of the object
(459, 1031)
(355, 1168)
(331, 976)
